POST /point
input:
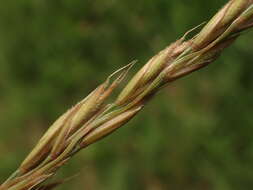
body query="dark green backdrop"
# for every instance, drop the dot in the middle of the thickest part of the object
(195, 135)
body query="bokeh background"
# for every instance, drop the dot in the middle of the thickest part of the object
(195, 135)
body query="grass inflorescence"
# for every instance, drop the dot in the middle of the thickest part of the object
(96, 117)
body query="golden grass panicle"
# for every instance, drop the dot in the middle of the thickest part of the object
(95, 117)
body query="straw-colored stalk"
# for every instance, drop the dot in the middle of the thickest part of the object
(93, 118)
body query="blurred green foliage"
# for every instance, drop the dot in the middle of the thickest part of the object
(195, 135)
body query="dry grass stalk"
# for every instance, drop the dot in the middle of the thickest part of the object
(93, 118)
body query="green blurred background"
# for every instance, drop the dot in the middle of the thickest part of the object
(195, 135)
